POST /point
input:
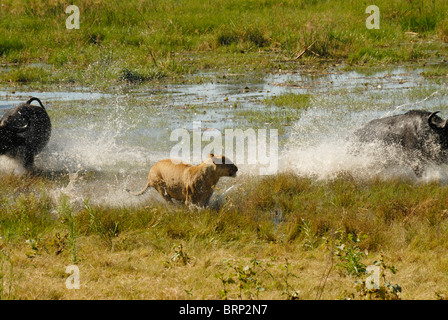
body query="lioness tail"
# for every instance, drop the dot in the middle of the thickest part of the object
(141, 192)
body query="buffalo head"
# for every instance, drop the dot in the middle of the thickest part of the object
(24, 131)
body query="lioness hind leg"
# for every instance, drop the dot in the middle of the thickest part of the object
(161, 188)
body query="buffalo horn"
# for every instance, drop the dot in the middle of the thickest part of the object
(441, 126)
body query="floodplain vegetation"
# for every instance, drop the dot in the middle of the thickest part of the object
(277, 237)
(151, 41)
(273, 237)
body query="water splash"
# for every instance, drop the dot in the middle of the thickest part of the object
(321, 146)
(108, 142)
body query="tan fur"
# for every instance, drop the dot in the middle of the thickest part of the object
(188, 183)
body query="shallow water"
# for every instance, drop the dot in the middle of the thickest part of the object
(107, 141)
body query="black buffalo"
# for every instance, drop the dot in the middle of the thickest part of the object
(419, 137)
(24, 132)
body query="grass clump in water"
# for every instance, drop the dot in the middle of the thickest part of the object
(280, 110)
(290, 100)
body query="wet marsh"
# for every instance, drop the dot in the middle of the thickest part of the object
(77, 210)
(116, 90)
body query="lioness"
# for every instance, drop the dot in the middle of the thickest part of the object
(188, 183)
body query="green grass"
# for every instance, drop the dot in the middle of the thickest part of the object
(155, 39)
(264, 223)
(290, 100)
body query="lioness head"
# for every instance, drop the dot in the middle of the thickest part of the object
(224, 166)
